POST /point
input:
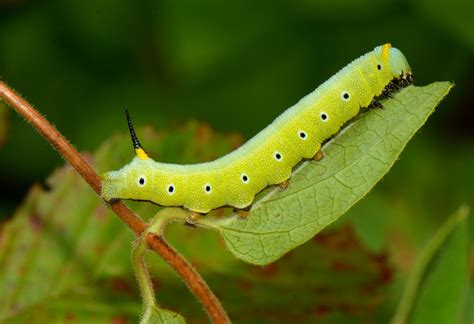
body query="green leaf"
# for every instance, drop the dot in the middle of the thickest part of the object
(437, 286)
(155, 315)
(320, 192)
(64, 257)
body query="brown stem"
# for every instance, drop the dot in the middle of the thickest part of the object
(190, 276)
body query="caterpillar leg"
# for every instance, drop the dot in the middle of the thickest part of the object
(318, 156)
(192, 219)
(283, 185)
(386, 94)
(243, 213)
(376, 104)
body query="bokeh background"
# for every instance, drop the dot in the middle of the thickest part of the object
(236, 66)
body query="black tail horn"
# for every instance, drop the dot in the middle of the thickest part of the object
(135, 141)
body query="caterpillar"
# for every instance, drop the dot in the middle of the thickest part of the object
(269, 157)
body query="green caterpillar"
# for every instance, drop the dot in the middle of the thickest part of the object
(269, 157)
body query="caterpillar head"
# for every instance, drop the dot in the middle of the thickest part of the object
(399, 67)
(398, 63)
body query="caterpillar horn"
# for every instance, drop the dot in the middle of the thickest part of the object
(136, 143)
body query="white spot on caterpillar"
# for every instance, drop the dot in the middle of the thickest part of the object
(244, 178)
(324, 116)
(207, 188)
(345, 96)
(278, 156)
(302, 135)
(170, 189)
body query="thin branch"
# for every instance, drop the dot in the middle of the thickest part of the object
(157, 243)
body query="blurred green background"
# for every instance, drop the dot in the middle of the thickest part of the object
(236, 66)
